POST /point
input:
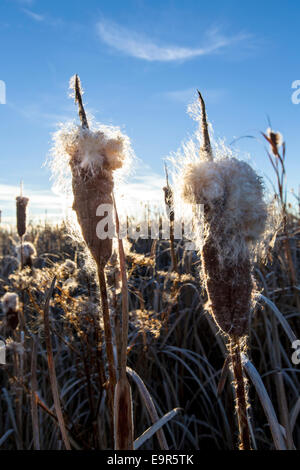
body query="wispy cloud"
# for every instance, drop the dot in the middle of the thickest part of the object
(136, 193)
(142, 189)
(33, 15)
(44, 18)
(141, 47)
(40, 201)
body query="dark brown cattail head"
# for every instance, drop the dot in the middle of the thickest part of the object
(229, 287)
(22, 203)
(26, 253)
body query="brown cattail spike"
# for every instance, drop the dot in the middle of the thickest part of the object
(21, 215)
(229, 288)
(206, 146)
(78, 100)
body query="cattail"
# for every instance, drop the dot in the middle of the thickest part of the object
(234, 220)
(22, 203)
(10, 305)
(169, 202)
(26, 253)
(275, 139)
(93, 154)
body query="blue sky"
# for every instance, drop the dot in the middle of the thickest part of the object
(140, 63)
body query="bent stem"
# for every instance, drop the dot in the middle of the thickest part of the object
(241, 396)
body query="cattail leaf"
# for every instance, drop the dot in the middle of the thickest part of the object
(294, 414)
(12, 418)
(266, 403)
(149, 403)
(123, 419)
(154, 428)
(5, 436)
(282, 320)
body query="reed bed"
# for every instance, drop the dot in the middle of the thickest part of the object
(155, 346)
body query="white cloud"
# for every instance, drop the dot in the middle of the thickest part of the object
(136, 45)
(139, 191)
(48, 20)
(33, 15)
(40, 201)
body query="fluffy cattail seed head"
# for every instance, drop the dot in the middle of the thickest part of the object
(67, 269)
(234, 220)
(10, 305)
(26, 252)
(275, 139)
(92, 152)
(93, 155)
(22, 203)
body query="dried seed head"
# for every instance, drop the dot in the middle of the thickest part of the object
(92, 155)
(234, 220)
(22, 203)
(276, 140)
(233, 193)
(67, 269)
(10, 305)
(26, 252)
(10, 301)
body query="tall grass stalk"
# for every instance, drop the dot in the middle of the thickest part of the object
(123, 409)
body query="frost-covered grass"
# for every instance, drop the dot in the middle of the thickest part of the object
(173, 346)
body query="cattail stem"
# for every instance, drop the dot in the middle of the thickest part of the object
(123, 419)
(241, 396)
(34, 389)
(108, 337)
(22, 254)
